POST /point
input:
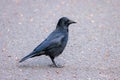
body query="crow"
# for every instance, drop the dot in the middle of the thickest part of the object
(55, 43)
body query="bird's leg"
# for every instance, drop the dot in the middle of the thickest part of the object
(52, 58)
(55, 65)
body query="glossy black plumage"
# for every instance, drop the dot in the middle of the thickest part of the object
(55, 43)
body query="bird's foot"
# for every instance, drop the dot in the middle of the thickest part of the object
(56, 66)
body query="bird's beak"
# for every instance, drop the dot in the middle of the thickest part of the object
(71, 22)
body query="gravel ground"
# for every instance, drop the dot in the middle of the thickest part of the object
(93, 50)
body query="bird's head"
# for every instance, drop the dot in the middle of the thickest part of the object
(64, 22)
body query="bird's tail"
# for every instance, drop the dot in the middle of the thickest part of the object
(26, 57)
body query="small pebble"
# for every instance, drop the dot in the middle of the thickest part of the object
(57, 72)
(9, 56)
(3, 49)
(16, 59)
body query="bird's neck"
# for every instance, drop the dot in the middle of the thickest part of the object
(62, 29)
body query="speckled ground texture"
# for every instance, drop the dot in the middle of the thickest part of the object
(93, 50)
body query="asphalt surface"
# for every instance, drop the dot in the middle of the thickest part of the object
(93, 50)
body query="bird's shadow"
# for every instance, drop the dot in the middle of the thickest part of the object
(41, 64)
(32, 66)
(35, 66)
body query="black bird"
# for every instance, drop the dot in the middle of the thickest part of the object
(55, 43)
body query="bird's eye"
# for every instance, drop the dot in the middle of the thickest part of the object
(66, 22)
